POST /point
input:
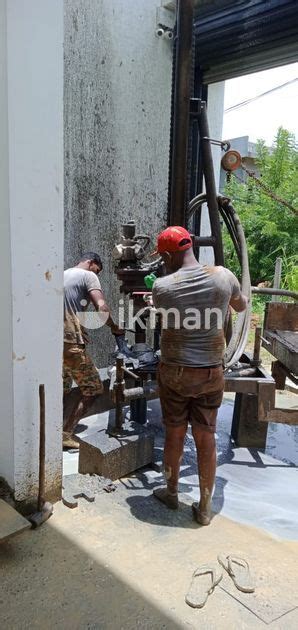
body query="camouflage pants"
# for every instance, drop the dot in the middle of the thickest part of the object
(78, 366)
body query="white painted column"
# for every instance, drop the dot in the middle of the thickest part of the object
(35, 148)
(6, 383)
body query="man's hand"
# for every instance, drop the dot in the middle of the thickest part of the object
(116, 331)
(98, 300)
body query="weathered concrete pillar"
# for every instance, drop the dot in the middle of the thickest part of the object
(32, 241)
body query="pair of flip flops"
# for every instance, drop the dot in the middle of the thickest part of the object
(207, 576)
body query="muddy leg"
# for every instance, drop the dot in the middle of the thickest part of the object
(173, 452)
(78, 412)
(206, 452)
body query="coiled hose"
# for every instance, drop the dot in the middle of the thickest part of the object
(238, 340)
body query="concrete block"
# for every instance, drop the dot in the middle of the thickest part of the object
(11, 522)
(115, 457)
(246, 429)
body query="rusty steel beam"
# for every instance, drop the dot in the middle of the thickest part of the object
(180, 115)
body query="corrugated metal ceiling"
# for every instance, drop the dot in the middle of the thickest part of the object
(241, 36)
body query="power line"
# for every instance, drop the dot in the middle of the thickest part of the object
(255, 98)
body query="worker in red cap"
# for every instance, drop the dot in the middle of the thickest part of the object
(193, 300)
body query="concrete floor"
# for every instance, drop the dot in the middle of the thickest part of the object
(253, 487)
(125, 561)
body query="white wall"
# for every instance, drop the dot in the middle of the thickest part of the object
(35, 132)
(6, 384)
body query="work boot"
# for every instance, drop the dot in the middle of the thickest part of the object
(202, 514)
(166, 497)
(69, 440)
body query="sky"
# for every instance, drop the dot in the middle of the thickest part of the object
(261, 118)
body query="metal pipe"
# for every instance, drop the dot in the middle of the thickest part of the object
(132, 374)
(183, 63)
(203, 241)
(266, 341)
(277, 277)
(209, 177)
(118, 388)
(134, 393)
(272, 291)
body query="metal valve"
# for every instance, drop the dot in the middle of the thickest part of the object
(231, 160)
(132, 246)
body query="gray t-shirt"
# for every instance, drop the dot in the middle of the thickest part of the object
(77, 285)
(194, 303)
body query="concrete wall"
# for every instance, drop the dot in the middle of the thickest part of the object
(6, 383)
(35, 175)
(117, 118)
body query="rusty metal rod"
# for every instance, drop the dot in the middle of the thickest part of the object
(203, 241)
(118, 388)
(42, 447)
(257, 347)
(211, 193)
(132, 374)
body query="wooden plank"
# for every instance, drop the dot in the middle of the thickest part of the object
(266, 398)
(281, 316)
(245, 385)
(289, 338)
(284, 347)
(283, 416)
(246, 429)
(11, 522)
(248, 384)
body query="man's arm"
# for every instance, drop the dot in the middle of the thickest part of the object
(100, 305)
(239, 303)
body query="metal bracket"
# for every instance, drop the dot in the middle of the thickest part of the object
(165, 23)
(195, 107)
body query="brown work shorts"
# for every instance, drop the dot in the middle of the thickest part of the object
(78, 366)
(190, 394)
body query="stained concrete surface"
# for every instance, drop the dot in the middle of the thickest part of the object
(125, 561)
(117, 102)
(252, 487)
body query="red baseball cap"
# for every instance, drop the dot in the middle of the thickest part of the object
(173, 239)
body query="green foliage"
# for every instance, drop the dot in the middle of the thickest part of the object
(270, 228)
(258, 303)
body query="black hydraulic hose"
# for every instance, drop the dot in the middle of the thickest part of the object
(231, 231)
(237, 343)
